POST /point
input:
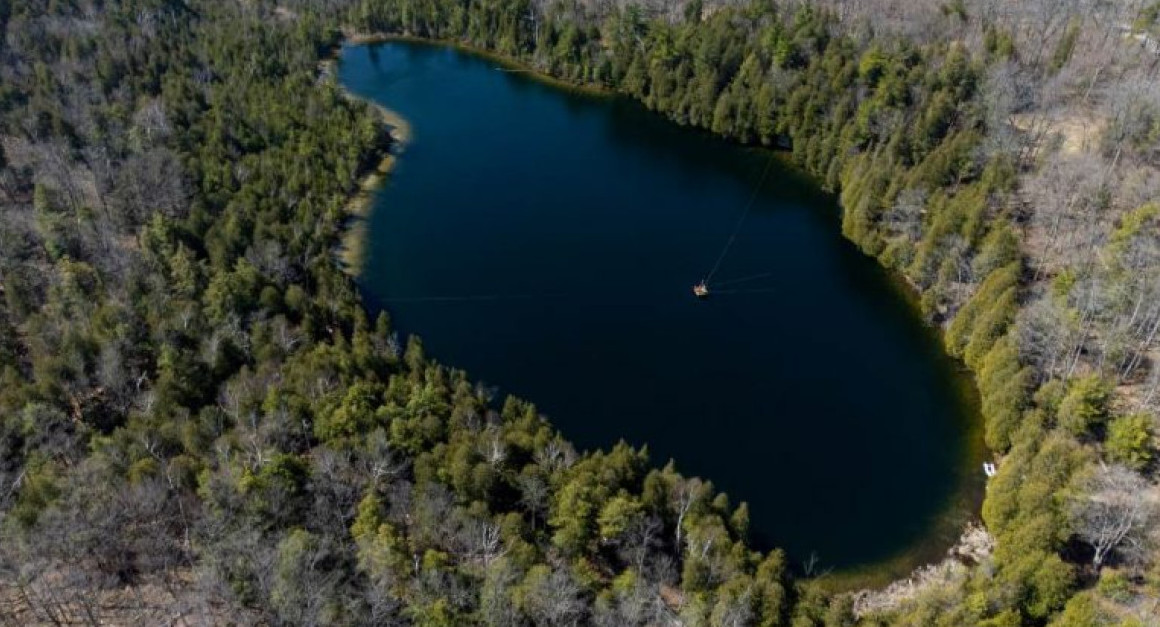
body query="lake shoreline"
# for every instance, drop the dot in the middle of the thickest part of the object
(505, 63)
(855, 580)
(351, 248)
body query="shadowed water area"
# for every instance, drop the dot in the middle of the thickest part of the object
(546, 241)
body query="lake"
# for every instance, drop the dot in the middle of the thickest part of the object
(547, 242)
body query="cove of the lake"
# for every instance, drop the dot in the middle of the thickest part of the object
(546, 241)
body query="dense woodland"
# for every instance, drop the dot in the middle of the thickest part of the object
(199, 423)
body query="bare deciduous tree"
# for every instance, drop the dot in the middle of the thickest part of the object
(1114, 512)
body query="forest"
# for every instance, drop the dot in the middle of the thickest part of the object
(200, 423)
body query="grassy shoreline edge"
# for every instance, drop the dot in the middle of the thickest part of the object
(351, 249)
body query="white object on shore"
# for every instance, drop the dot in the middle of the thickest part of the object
(989, 469)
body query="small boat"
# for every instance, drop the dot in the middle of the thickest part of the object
(701, 290)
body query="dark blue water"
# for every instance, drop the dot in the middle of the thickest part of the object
(581, 223)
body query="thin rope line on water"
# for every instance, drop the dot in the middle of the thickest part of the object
(478, 298)
(745, 279)
(759, 290)
(741, 220)
(453, 299)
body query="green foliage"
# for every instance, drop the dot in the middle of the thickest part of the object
(980, 322)
(1006, 618)
(1129, 440)
(1003, 384)
(999, 43)
(1065, 46)
(359, 412)
(618, 516)
(1114, 585)
(276, 492)
(1000, 248)
(1086, 405)
(1082, 611)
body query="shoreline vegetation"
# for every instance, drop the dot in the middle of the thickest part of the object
(953, 536)
(351, 248)
(352, 245)
(503, 63)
